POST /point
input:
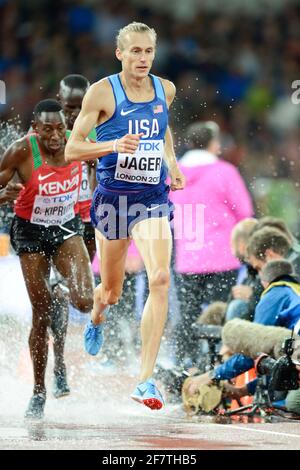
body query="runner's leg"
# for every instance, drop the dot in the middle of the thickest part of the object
(59, 325)
(154, 241)
(36, 269)
(72, 261)
(112, 270)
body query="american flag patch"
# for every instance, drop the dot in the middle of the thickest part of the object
(158, 108)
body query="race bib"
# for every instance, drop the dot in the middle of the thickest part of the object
(143, 166)
(85, 193)
(54, 210)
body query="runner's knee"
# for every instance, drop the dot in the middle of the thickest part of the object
(41, 312)
(40, 322)
(82, 298)
(82, 303)
(160, 278)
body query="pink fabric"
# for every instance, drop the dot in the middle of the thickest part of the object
(132, 253)
(221, 189)
(95, 265)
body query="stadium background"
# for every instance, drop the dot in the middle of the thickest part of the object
(233, 62)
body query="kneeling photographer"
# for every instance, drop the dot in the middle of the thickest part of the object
(252, 339)
(279, 305)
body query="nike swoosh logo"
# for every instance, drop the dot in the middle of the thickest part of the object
(65, 237)
(69, 234)
(124, 113)
(42, 178)
(152, 208)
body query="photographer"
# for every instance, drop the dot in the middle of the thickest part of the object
(237, 336)
(279, 305)
(280, 301)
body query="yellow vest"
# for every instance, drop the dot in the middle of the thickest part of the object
(293, 285)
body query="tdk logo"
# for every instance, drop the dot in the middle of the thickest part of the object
(149, 146)
(59, 199)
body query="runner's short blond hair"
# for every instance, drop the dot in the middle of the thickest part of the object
(134, 27)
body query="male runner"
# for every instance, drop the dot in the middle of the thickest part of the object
(72, 89)
(71, 92)
(130, 112)
(46, 229)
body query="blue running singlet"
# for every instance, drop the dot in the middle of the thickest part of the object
(146, 167)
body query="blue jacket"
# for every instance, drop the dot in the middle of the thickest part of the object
(279, 304)
(235, 365)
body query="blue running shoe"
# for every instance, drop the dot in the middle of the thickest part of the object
(60, 385)
(36, 406)
(148, 393)
(93, 338)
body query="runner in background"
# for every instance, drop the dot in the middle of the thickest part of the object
(72, 89)
(46, 231)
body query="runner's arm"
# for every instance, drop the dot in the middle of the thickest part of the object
(169, 154)
(77, 148)
(9, 190)
(177, 178)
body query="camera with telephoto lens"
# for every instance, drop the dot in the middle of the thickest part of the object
(212, 334)
(283, 373)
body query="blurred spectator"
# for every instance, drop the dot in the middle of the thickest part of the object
(294, 252)
(214, 314)
(246, 294)
(270, 243)
(80, 18)
(267, 244)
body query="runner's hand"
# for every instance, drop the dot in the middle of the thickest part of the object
(128, 143)
(177, 179)
(11, 191)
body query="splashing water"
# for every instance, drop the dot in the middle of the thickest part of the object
(9, 133)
